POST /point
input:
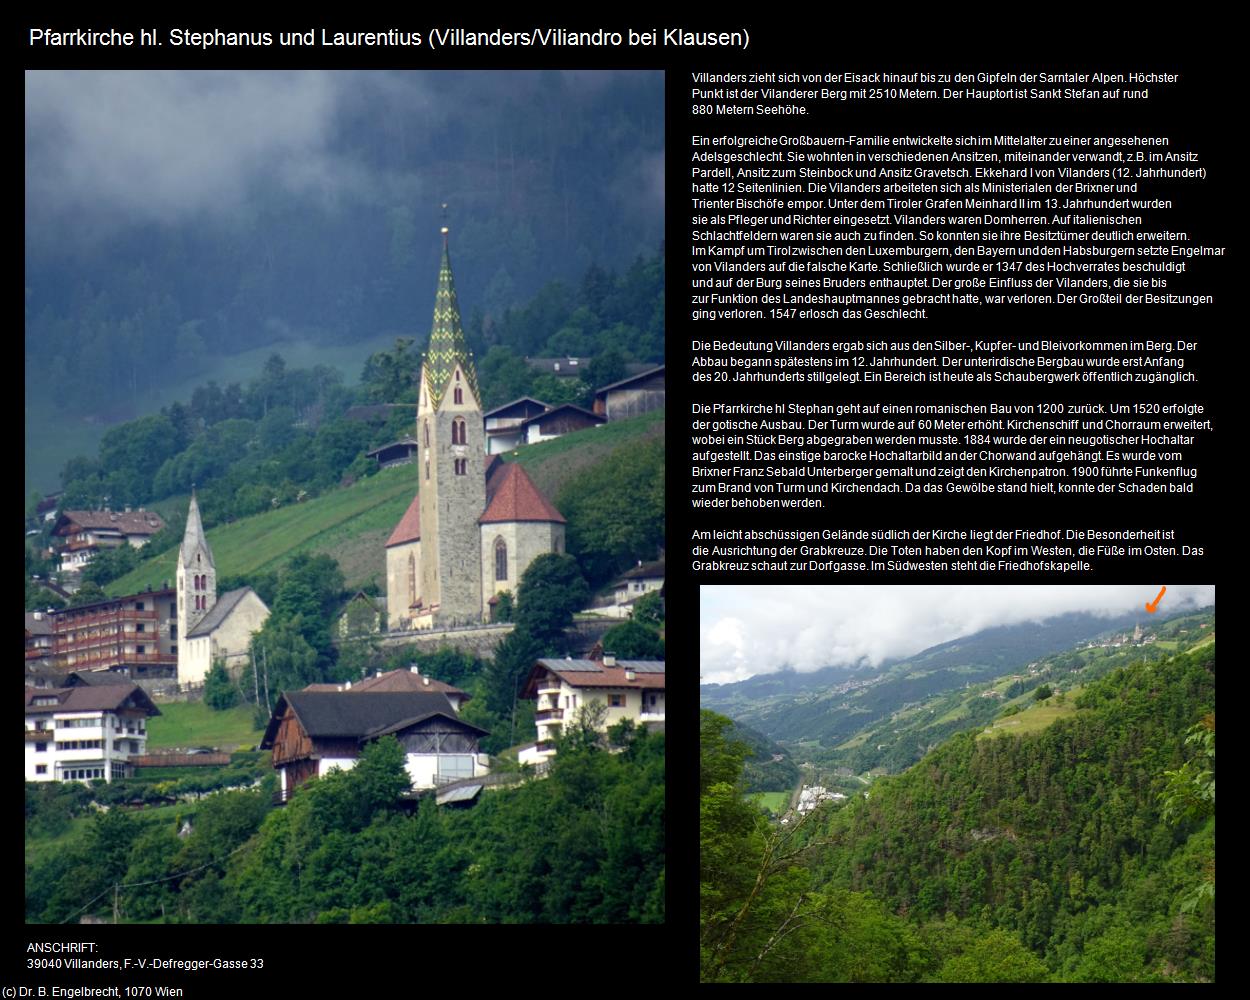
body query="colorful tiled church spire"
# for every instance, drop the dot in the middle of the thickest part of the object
(447, 344)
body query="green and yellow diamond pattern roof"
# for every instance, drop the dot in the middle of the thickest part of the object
(447, 344)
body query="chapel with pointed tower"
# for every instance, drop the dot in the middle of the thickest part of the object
(474, 526)
(210, 628)
(197, 575)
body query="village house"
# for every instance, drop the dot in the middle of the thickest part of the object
(642, 579)
(85, 731)
(557, 422)
(399, 680)
(627, 689)
(83, 533)
(505, 425)
(314, 731)
(401, 452)
(631, 396)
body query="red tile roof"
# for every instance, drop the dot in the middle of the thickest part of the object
(516, 498)
(392, 680)
(409, 527)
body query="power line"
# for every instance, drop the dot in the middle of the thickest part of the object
(134, 885)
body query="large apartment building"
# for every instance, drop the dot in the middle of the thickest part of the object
(136, 635)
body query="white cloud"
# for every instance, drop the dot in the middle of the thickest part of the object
(758, 630)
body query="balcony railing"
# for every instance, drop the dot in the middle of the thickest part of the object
(549, 715)
(68, 621)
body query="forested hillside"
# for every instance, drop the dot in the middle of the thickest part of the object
(1081, 852)
(585, 845)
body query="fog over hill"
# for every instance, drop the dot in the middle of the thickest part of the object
(750, 631)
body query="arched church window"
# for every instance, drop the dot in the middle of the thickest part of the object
(412, 579)
(427, 433)
(459, 395)
(461, 466)
(458, 431)
(501, 559)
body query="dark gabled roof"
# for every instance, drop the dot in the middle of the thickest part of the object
(541, 418)
(359, 715)
(401, 443)
(649, 570)
(95, 678)
(632, 378)
(516, 402)
(93, 698)
(218, 612)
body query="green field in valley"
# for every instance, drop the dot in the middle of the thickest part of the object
(774, 802)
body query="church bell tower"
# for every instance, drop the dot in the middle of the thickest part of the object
(451, 458)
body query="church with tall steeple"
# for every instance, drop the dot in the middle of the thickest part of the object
(474, 525)
(210, 628)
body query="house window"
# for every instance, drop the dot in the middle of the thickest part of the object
(41, 747)
(41, 768)
(140, 627)
(616, 701)
(501, 559)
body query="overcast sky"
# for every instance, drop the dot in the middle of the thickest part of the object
(112, 148)
(745, 631)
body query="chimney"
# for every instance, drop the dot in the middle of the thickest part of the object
(630, 675)
(377, 673)
(425, 681)
(348, 686)
(609, 659)
(414, 668)
(38, 616)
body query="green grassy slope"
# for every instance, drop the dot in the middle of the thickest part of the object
(353, 523)
(192, 723)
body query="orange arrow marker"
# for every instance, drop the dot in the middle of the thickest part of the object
(1154, 605)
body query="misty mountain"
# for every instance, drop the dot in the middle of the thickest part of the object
(789, 706)
(177, 218)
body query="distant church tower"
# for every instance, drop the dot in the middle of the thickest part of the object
(451, 457)
(197, 576)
